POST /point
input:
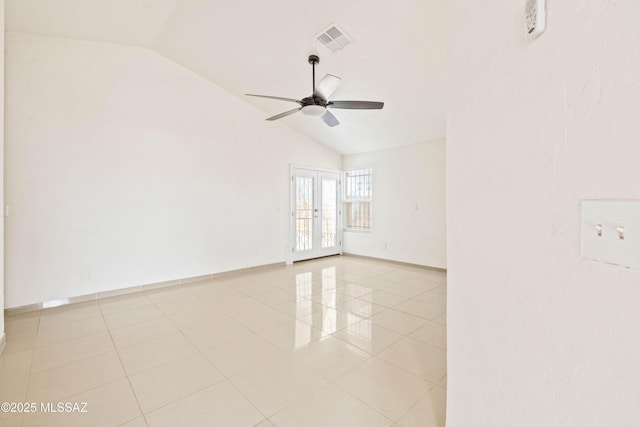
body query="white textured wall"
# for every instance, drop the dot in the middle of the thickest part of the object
(537, 336)
(408, 205)
(2, 169)
(124, 168)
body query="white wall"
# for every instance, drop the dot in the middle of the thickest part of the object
(537, 336)
(124, 169)
(408, 205)
(1, 172)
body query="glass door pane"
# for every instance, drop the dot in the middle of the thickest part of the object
(304, 213)
(329, 207)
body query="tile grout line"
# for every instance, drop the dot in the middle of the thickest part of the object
(226, 378)
(230, 380)
(432, 384)
(123, 367)
(33, 355)
(400, 367)
(26, 393)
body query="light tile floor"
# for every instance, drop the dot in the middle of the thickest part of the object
(339, 341)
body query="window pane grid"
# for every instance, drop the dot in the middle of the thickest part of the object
(358, 184)
(358, 191)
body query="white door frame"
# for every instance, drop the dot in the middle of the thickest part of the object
(292, 255)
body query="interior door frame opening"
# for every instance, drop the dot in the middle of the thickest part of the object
(315, 213)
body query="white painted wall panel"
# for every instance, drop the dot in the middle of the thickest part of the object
(537, 336)
(408, 205)
(124, 168)
(2, 302)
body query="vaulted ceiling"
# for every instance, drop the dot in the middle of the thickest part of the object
(255, 46)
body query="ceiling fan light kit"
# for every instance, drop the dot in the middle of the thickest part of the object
(316, 105)
(314, 110)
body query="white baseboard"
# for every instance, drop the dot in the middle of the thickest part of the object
(406, 264)
(13, 311)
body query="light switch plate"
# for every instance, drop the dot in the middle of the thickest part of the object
(611, 231)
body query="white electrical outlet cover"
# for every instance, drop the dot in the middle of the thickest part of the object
(535, 18)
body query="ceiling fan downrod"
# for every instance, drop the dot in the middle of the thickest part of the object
(313, 60)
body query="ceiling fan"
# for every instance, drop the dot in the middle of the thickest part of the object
(317, 104)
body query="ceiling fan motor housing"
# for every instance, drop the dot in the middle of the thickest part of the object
(314, 100)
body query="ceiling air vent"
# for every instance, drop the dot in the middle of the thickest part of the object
(334, 38)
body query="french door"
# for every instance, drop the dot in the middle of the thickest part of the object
(315, 210)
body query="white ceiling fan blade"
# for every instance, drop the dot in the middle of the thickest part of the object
(330, 119)
(275, 97)
(356, 105)
(327, 86)
(285, 114)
